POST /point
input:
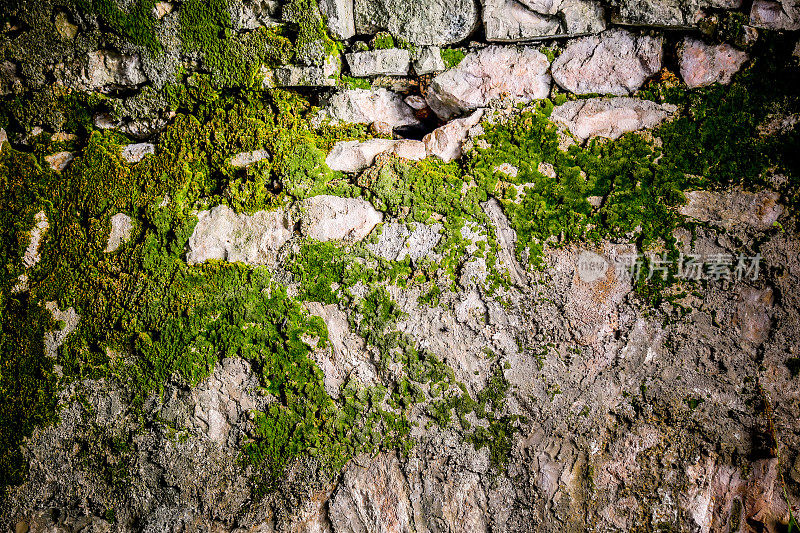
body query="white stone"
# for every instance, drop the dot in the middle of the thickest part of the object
(397, 241)
(121, 230)
(162, 9)
(340, 18)
(105, 68)
(252, 239)
(611, 118)
(306, 76)
(361, 106)
(133, 153)
(355, 156)
(245, 159)
(40, 227)
(420, 22)
(446, 142)
(428, 60)
(332, 218)
(734, 208)
(519, 20)
(519, 74)
(387, 62)
(58, 162)
(615, 62)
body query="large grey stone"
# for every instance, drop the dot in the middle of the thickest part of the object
(702, 64)
(734, 208)
(599, 117)
(388, 62)
(222, 234)
(519, 74)
(397, 241)
(615, 62)
(340, 18)
(332, 218)
(101, 70)
(361, 106)
(514, 20)
(306, 76)
(421, 22)
(664, 13)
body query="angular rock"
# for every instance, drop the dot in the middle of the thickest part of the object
(245, 159)
(361, 106)
(373, 499)
(428, 60)
(121, 229)
(332, 218)
(162, 9)
(340, 18)
(388, 62)
(65, 29)
(102, 70)
(306, 76)
(446, 142)
(250, 15)
(519, 74)
(599, 117)
(515, 20)
(58, 162)
(252, 239)
(753, 314)
(771, 15)
(420, 22)
(397, 241)
(702, 64)
(3, 139)
(355, 156)
(734, 208)
(507, 241)
(615, 62)
(133, 153)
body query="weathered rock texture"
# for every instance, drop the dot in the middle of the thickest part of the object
(612, 117)
(512, 20)
(436, 22)
(703, 64)
(516, 74)
(615, 62)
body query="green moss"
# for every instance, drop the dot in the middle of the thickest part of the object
(382, 41)
(452, 57)
(136, 24)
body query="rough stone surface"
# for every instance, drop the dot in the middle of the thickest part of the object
(734, 208)
(53, 340)
(387, 62)
(305, 76)
(59, 161)
(514, 20)
(102, 70)
(599, 117)
(252, 239)
(428, 60)
(398, 241)
(41, 225)
(245, 159)
(663, 13)
(331, 218)
(121, 230)
(446, 142)
(519, 74)
(363, 106)
(420, 22)
(615, 62)
(773, 15)
(355, 156)
(133, 153)
(373, 499)
(340, 17)
(702, 64)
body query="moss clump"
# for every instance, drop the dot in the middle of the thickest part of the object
(382, 41)
(136, 24)
(452, 57)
